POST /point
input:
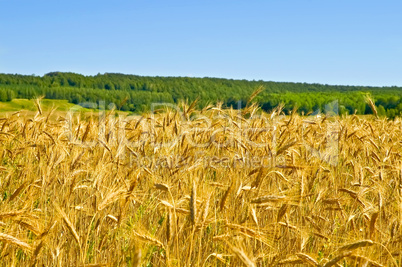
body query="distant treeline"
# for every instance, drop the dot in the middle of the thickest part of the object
(136, 93)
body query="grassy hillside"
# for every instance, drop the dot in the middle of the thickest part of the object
(28, 104)
(27, 108)
(137, 93)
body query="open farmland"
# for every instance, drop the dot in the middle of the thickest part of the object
(210, 187)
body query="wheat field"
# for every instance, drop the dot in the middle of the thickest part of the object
(200, 187)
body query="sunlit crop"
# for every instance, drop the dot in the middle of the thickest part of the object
(211, 187)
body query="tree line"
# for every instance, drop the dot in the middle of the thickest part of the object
(136, 93)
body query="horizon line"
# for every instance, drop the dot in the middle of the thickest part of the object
(202, 77)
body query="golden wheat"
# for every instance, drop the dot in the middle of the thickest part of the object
(203, 188)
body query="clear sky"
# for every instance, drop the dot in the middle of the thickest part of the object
(349, 42)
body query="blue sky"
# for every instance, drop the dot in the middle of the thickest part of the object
(332, 42)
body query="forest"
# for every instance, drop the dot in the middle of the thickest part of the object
(136, 93)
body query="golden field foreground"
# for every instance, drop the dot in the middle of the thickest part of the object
(209, 187)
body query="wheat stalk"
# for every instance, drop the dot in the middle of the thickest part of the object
(14, 241)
